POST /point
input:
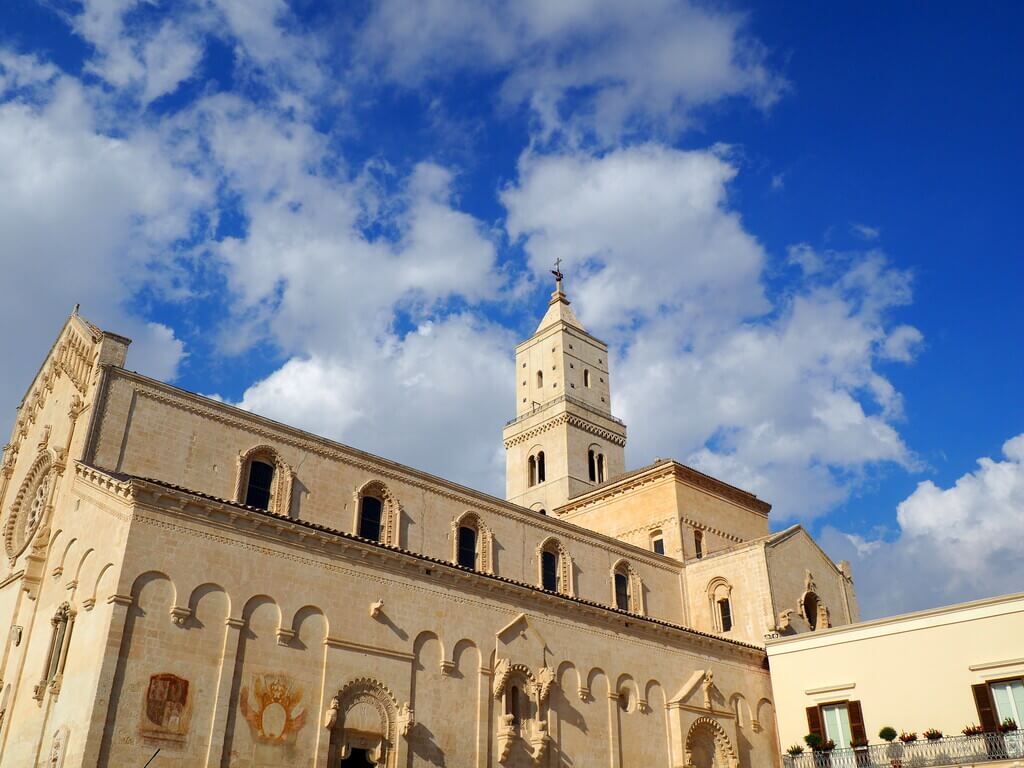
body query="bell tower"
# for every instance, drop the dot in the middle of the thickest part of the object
(564, 440)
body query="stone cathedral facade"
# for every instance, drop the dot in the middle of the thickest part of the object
(184, 579)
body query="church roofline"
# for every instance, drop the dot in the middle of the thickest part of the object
(304, 440)
(567, 327)
(130, 482)
(663, 468)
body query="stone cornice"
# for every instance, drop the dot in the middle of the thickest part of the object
(315, 539)
(375, 466)
(561, 420)
(660, 470)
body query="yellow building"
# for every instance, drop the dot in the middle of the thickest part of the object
(184, 576)
(943, 669)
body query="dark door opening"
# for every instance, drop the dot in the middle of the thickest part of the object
(359, 758)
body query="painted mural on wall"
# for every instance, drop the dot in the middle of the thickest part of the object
(272, 706)
(168, 708)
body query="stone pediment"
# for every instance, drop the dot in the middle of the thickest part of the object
(521, 641)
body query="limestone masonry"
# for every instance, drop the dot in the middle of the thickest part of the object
(184, 576)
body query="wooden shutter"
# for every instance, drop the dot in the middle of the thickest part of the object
(986, 707)
(856, 722)
(814, 722)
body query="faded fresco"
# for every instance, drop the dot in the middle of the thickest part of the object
(273, 708)
(167, 708)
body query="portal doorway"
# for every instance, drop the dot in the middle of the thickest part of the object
(358, 758)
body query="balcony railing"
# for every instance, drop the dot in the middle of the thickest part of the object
(954, 750)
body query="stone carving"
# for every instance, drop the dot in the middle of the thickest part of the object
(331, 715)
(365, 715)
(57, 748)
(167, 708)
(502, 669)
(709, 687)
(785, 619)
(545, 681)
(376, 608)
(406, 720)
(30, 506)
(708, 733)
(273, 708)
(180, 615)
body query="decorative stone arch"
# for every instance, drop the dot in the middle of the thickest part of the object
(33, 502)
(709, 731)
(365, 715)
(391, 512)
(566, 575)
(484, 540)
(718, 588)
(281, 489)
(811, 607)
(635, 585)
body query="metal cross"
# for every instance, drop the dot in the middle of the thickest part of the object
(557, 271)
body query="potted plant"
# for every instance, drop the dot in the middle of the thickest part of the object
(828, 745)
(1008, 725)
(894, 751)
(972, 730)
(860, 743)
(813, 741)
(795, 750)
(908, 737)
(933, 734)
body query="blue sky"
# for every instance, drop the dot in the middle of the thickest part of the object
(796, 227)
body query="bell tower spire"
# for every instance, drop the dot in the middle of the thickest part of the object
(564, 440)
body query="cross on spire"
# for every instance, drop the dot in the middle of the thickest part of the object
(557, 272)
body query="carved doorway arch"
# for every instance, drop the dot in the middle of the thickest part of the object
(708, 746)
(362, 719)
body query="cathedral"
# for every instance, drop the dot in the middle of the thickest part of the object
(190, 584)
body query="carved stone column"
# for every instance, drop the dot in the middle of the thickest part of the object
(613, 728)
(119, 607)
(222, 700)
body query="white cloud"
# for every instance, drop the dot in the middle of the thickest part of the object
(427, 399)
(902, 344)
(865, 232)
(639, 229)
(87, 218)
(642, 64)
(782, 398)
(954, 544)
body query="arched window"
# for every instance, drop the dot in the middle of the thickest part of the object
(540, 467)
(698, 542)
(621, 591)
(540, 379)
(810, 604)
(586, 377)
(264, 481)
(592, 465)
(467, 546)
(531, 466)
(371, 511)
(260, 485)
(60, 638)
(600, 467)
(512, 704)
(472, 542)
(549, 570)
(724, 614)
(720, 599)
(555, 569)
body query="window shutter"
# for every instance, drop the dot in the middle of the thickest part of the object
(986, 708)
(856, 722)
(814, 722)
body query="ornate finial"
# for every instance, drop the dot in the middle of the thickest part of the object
(75, 310)
(557, 272)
